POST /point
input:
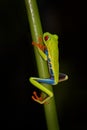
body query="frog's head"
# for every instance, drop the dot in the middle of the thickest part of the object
(50, 39)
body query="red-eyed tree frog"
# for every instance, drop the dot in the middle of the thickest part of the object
(49, 53)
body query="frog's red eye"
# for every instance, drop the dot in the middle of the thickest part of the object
(46, 38)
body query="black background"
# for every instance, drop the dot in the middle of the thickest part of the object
(17, 64)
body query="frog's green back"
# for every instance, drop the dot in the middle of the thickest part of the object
(53, 53)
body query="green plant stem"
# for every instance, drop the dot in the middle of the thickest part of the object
(36, 31)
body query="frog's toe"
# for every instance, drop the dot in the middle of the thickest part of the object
(35, 97)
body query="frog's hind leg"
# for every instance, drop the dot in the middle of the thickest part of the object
(46, 81)
(62, 77)
(37, 83)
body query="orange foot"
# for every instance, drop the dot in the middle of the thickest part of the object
(36, 97)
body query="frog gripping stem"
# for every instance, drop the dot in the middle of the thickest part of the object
(36, 30)
(39, 44)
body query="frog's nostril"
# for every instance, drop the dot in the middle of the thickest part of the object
(46, 38)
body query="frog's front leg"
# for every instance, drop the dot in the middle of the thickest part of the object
(37, 83)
